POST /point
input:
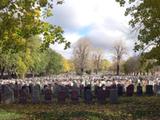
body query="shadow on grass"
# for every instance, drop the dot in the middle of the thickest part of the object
(80, 115)
(128, 108)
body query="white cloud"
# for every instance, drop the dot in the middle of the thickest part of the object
(105, 19)
(71, 37)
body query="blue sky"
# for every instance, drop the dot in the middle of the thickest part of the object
(102, 21)
(84, 31)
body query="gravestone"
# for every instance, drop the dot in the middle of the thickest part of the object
(155, 89)
(81, 91)
(107, 91)
(62, 96)
(113, 97)
(158, 90)
(47, 95)
(16, 92)
(130, 90)
(88, 95)
(42, 93)
(96, 88)
(113, 86)
(23, 95)
(55, 90)
(30, 88)
(35, 94)
(67, 89)
(74, 95)
(7, 94)
(149, 90)
(0, 93)
(120, 90)
(101, 95)
(27, 92)
(139, 90)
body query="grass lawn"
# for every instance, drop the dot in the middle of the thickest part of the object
(128, 108)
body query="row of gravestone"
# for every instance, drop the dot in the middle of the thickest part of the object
(130, 90)
(149, 90)
(33, 93)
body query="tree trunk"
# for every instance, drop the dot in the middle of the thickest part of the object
(82, 70)
(118, 68)
(2, 72)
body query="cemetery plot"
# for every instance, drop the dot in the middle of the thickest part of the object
(128, 108)
(88, 95)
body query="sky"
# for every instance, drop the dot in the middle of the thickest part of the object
(102, 21)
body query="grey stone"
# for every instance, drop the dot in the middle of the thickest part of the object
(113, 97)
(7, 95)
(36, 94)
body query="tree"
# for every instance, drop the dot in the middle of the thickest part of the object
(146, 65)
(31, 61)
(81, 54)
(39, 58)
(119, 49)
(97, 57)
(20, 22)
(132, 65)
(67, 65)
(145, 18)
(21, 68)
(105, 64)
(55, 62)
(113, 67)
(7, 63)
(22, 19)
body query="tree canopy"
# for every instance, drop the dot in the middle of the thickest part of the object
(25, 37)
(31, 61)
(22, 19)
(145, 18)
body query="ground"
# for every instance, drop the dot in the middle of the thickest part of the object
(128, 108)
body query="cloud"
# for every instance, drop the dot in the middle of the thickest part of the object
(71, 37)
(103, 21)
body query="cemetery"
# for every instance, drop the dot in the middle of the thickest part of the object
(81, 97)
(79, 59)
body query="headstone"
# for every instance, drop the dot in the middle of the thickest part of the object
(139, 90)
(30, 88)
(158, 90)
(42, 93)
(47, 95)
(155, 89)
(107, 91)
(23, 95)
(7, 94)
(62, 96)
(67, 90)
(113, 86)
(0, 93)
(120, 89)
(130, 90)
(101, 95)
(88, 95)
(35, 94)
(149, 90)
(16, 92)
(27, 92)
(81, 90)
(75, 95)
(96, 90)
(55, 89)
(113, 97)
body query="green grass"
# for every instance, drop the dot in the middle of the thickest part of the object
(128, 108)
(6, 115)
